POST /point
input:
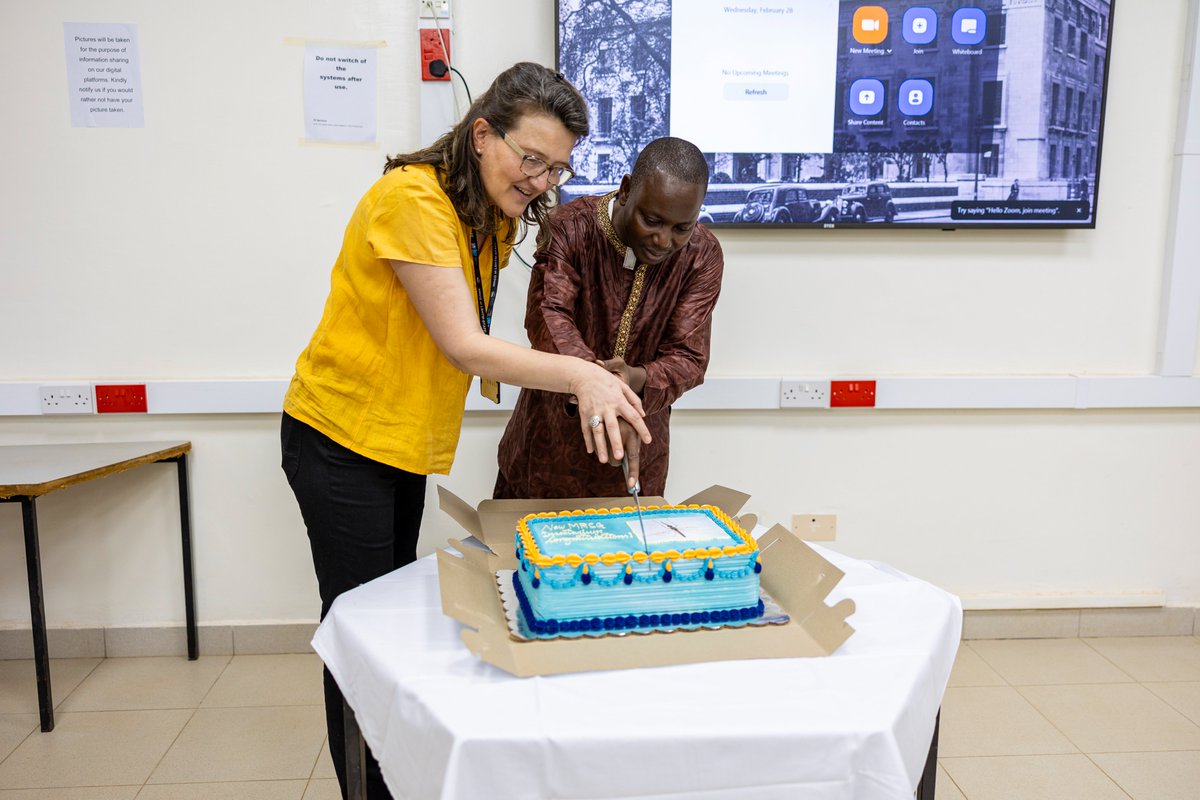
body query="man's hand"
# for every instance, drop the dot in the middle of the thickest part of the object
(634, 377)
(633, 448)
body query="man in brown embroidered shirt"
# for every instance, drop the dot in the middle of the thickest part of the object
(629, 279)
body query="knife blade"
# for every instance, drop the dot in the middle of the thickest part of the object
(636, 491)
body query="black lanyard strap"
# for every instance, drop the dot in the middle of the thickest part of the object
(485, 310)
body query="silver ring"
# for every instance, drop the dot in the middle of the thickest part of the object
(594, 422)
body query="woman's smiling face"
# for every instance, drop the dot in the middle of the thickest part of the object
(539, 135)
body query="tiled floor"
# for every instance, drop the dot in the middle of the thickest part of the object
(1061, 719)
(1093, 719)
(219, 728)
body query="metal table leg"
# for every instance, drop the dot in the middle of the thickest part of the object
(185, 528)
(928, 784)
(37, 611)
(356, 756)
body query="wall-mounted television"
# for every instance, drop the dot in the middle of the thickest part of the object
(930, 113)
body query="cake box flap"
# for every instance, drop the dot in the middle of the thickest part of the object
(728, 500)
(460, 512)
(794, 574)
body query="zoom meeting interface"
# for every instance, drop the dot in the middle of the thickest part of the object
(786, 75)
(921, 112)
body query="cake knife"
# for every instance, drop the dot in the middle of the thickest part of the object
(637, 501)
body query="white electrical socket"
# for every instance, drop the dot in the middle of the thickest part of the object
(803, 394)
(815, 527)
(67, 399)
(433, 9)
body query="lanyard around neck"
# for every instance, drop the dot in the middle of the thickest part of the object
(485, 310)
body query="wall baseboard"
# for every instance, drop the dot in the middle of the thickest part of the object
(1073, 623)
(294, 637)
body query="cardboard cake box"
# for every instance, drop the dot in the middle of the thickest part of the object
(794, 574)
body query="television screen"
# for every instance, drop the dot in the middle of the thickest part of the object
(932, 113)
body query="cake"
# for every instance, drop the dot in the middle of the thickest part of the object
(588, 571)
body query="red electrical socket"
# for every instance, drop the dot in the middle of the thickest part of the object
(431, 50)
(120, 398)
(852, 394)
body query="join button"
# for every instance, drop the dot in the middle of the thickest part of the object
(756, 91)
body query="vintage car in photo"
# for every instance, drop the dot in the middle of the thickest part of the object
(866, 202)
(782, 203)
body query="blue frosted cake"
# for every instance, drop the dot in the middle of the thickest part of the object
(590, 571)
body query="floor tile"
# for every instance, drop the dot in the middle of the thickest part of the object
(1046, 777)
(13, 730)
(76, 793)
(245, 744)
(274, 680)
(946, 788)
(323, 790)
(18, 682)
(240, 790)
(1048, 661)
(324, 767)
(119, 684)
(1183, 697)
(995, 720)
(1154, 776)
(95, 748)
(971, 670)
(1114, 717)
(1153, 658)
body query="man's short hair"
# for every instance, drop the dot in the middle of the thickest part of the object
(678, 158)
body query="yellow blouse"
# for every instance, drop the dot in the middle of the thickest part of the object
(372, 378)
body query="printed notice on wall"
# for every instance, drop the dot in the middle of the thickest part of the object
(104, 75)
(339, 94)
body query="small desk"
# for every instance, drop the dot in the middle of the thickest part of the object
(28, 472)
(856, 725)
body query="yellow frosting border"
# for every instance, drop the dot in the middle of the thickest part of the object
(536, 557)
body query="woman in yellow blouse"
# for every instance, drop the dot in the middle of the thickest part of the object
(376, 403)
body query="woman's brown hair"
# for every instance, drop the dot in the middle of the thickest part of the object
(524, 88)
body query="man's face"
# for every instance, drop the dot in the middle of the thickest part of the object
(657, 218)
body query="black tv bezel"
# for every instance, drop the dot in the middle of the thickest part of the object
(940, 226)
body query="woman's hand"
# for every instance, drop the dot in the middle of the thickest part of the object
(603, 398)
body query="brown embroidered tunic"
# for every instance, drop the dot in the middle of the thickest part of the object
(577, 293)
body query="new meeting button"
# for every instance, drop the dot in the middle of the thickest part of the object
(756, 91)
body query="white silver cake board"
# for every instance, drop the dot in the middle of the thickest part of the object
(518, 630)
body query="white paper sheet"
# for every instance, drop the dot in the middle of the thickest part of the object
(339, 93)
(104, 75)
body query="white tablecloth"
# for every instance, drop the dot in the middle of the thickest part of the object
(854, 726)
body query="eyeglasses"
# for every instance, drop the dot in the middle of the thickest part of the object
(534, 167)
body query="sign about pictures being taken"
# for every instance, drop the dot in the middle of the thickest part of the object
(104, 75)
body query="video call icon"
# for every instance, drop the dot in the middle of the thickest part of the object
(866, 97)
(920, 25)
(916, 98)
(870, 24)
(968, 26)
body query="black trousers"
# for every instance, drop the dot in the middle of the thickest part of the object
(363, 520)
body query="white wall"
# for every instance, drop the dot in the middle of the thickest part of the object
(200, 247)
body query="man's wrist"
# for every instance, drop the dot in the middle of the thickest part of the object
(637, 379)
